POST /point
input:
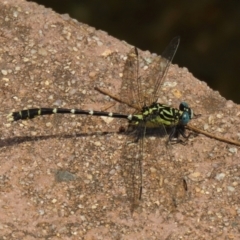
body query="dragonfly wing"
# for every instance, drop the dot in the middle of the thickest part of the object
(129, 89)
(132, 159)
(163, 176)
(157, 72)
(165, 60)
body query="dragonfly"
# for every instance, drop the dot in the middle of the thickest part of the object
(141, 93)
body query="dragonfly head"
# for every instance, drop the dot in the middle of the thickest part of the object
(187, 114)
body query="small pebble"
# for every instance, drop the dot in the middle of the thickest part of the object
(220, 176)
(231, 189)
(4, 72)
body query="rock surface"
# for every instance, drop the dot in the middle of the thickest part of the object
(61, 178)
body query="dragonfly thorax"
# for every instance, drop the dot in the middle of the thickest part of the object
(158, 114)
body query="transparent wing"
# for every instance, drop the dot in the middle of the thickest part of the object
(132, 159)
(164, 64)
(157, 72)
(130, 83)
(150, 171)
(144, 90)
(162, 174)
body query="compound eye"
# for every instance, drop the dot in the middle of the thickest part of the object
(183, 106)
(185, 118)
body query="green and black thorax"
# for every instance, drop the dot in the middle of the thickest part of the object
(158, 114)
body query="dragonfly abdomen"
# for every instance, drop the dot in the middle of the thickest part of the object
(34, 112)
